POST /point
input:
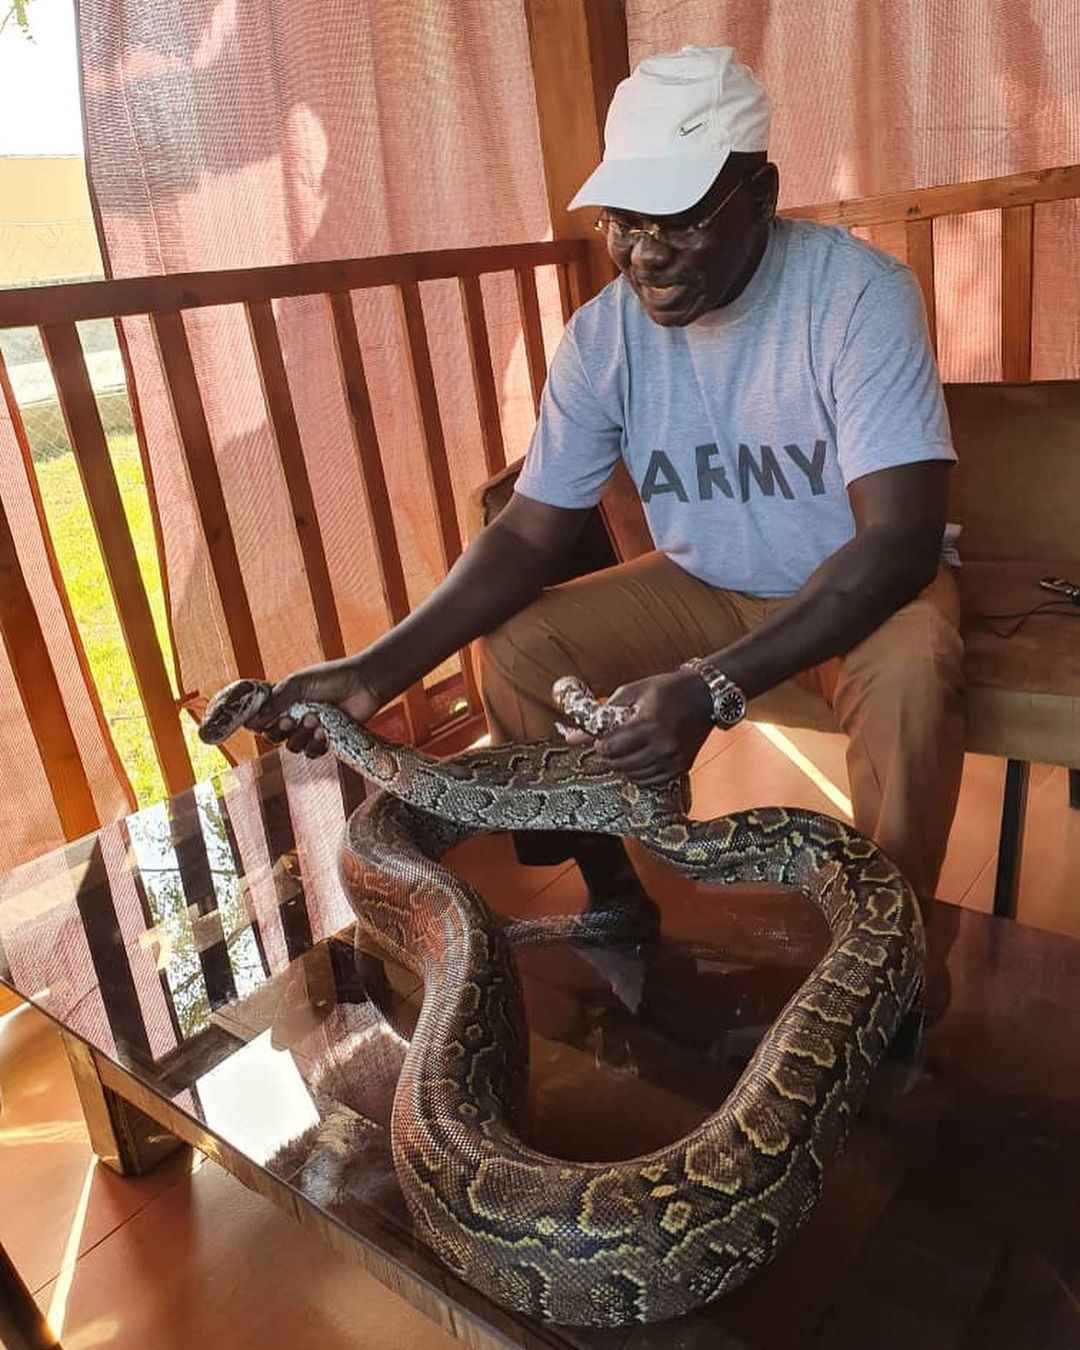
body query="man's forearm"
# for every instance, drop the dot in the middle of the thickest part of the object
(850, 595)
(497, 575)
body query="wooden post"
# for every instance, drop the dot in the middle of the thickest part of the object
(579, 55)
(920, 257)
(1017, 272)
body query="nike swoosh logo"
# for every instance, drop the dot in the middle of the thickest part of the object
(685, 131)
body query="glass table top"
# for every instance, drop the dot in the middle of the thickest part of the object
(206, 946)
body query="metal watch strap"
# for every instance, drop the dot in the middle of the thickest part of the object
(728, 700)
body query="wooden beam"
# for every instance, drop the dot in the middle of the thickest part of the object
(579, 54)
(83, 422)
(988, 194)
(28, 305)
(1017, 279)
(286, 433)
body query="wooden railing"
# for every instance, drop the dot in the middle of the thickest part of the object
(55, 310)
(903, 223)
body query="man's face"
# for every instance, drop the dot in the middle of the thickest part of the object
(677, 280)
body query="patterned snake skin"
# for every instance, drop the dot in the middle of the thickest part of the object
(604, 1244)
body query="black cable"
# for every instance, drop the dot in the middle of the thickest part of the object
(1065, 608)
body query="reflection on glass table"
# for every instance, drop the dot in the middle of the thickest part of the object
(201, 960)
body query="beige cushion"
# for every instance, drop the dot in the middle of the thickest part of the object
(1023, 696)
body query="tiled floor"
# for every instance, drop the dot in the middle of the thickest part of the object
(187, 1257)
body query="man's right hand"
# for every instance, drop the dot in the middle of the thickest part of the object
(340, 682)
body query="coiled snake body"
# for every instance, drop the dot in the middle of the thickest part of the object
(604, 1244)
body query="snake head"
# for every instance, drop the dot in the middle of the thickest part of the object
(230, 708)
(585, 710)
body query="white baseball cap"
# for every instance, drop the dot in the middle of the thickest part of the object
(670, 128)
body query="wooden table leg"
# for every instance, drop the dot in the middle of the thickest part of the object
(22, 1323)
(1010, 844)
(121, 1135)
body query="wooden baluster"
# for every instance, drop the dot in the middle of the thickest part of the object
(529, 309)
(380, 515)
(566, 298)
(194, 433)
(579, 282)
(422, 378)
(79, 407)
(920, 256)
(891, 237)
(60, 585)
(279, 406)
(411, 313)
(1017, 273)
(40, 693)
(487, 398)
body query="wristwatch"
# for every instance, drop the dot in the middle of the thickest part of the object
(728, 700)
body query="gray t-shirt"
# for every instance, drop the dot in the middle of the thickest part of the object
(743, 429)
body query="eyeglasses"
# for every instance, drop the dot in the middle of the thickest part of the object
(620, 234)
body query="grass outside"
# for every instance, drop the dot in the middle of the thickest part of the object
(91, 600)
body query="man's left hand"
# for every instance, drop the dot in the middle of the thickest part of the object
(669, 727)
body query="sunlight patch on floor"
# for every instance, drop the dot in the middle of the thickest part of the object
(58, 1303)
(788, 748)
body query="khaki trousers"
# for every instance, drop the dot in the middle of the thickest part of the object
(898, 696)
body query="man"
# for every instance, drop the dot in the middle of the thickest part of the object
(770, 386)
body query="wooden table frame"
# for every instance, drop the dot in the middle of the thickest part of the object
(132, 1129)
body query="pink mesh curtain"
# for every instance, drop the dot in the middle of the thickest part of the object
(882, 97)
(245, 133)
